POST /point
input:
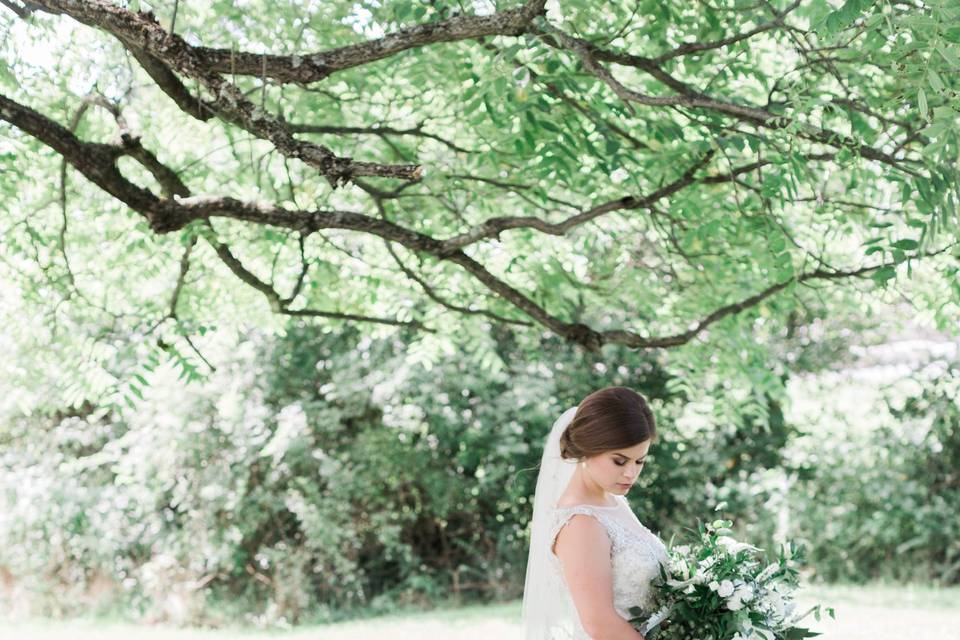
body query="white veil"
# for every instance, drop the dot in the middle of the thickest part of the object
(548, 610)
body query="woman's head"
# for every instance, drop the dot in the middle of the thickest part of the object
(610, 434)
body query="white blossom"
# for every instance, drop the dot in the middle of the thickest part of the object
(554, 14)
(619, 175)
(725, 590)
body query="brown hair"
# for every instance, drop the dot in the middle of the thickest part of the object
(607, 419)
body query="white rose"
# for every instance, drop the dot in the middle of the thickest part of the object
(726, 589)
(619, 175)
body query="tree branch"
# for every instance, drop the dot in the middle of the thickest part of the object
(697, 47)
(493, 227)
(690, 97)
(311, 67)
(97, 162)
(142, 31)
(279, 304)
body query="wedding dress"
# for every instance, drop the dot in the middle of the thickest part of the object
(635, 554)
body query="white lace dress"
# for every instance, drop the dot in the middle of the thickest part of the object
(635, 553)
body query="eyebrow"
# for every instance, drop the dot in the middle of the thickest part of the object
(626, 458)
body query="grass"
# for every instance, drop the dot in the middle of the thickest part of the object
(874, 612)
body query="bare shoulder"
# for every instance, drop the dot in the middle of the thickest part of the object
(582, 532)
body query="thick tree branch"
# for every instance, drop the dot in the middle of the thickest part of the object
(311, 67)
(143, 32)
(171, 85)
(97, 162)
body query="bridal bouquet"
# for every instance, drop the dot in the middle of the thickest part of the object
(717, 588)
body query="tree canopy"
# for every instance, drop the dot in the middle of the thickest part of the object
(639, 173)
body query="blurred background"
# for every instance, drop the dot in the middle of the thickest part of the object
(316, 477)
(234, 424)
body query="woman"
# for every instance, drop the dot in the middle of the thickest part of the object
(590, 558)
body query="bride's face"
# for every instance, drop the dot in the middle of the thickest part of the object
(617, 470)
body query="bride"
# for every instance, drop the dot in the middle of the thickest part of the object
(590, 558)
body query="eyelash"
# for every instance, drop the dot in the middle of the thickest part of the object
(620, 464)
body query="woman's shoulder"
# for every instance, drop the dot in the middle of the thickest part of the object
(584, 524)
(564, 514)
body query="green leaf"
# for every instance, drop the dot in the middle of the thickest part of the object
(936, 82)
(906, 244)
(922, 103)
(549, 126)
(777, 243)
(884, 273)
(948, 55)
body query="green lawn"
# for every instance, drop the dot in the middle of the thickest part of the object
(863, 613)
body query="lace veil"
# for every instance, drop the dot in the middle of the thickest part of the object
(546, 604)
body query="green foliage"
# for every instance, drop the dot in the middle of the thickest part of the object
(324, 474)
(885, 504)
(160, 447)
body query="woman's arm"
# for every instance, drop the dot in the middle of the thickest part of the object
(584, 551)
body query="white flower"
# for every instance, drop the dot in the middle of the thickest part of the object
(618, 175)
(553, 11)
(726, 589)
(679, 566)
(714, 585)
(742, 593)
(483, 7)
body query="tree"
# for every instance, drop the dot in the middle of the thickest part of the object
(694, 160)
